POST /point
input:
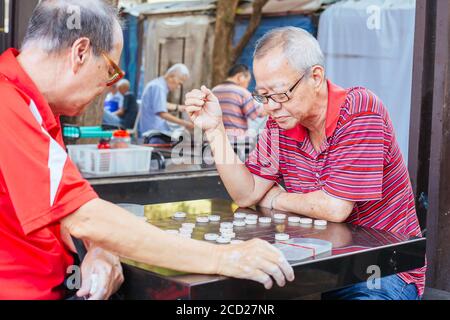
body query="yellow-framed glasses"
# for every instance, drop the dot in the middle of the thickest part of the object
(118, 72)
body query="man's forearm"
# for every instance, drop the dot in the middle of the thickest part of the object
(317, 205)
(120, 232)
(168, 117)
(237, 179)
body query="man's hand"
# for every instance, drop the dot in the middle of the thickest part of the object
(101, 274)
(269, 199)
(255, 260)
(204, 109)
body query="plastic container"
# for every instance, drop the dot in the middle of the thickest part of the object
(297, 249)
(120, 139)
(131, 160)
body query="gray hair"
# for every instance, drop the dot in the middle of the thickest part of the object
(123, 82)
(180, 70)
(56, 24)
(300, 48)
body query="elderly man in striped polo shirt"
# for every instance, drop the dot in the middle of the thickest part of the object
(335, 149)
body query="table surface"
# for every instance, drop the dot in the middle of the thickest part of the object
(346, 239)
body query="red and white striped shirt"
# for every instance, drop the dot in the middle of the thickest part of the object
(360, 161)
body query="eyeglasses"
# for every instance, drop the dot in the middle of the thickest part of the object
(277, 97)
(118, 73)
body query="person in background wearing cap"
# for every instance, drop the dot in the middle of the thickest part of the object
(335, 150)
(43, 198)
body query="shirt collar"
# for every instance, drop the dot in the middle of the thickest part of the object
(336, 98)
(13, 71)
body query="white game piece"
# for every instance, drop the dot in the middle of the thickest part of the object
(236, 241)
(223, 240)
(306, 221)
(250, 221)
(222, 230)
(214, 218)
(320, 223)
(226, 225)
(202, 219)
(279, 216)
(281, 236)
(186, 230)
(185, 235)
(240, 215)
(230, 235)
(265, 220)
(211, 236)
(239, 223)
(179, 215)
(172, 231)
(188, 225)
(294, 219)
(251, 217)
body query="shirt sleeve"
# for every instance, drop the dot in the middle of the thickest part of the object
(43, 184)
(156, 100)
(250, 109)
(264, 160)
(356, 159)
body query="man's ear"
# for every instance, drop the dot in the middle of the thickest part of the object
(318, 75)
(80, 53)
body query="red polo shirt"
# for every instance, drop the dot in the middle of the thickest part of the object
(39, 186)
(360, 161)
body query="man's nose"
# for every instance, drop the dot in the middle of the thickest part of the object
(272, 105)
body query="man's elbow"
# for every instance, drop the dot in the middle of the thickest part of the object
(339, 213)
(79, 223)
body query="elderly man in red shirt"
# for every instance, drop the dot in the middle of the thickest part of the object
(335, 149)
(44, 200)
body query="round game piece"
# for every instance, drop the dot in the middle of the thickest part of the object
(236, 241)
(179, 215)
(230, 235)
(185, 235)
(251, 217)
(281, 236)
(214, 218)
(223, 240)
(222, 230)
(320, 223)
(250, 221)
(226, 225)
(188, 225)
(294, 219)
(240, 215)
(306, 221)
(279, 216)
(186, 230)
(202, 219)
(211, 236)
(265, 220)
(172, 231)
(239, 223)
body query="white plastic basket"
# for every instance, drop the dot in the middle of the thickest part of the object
(90, 159)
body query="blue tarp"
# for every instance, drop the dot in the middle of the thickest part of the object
(130, 54)
(267, 24)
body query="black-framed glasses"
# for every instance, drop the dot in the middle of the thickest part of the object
(277, 97)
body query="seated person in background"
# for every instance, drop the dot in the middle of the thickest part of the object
(125, 116)
(236, 101)
(113, 100)
(155, 109)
